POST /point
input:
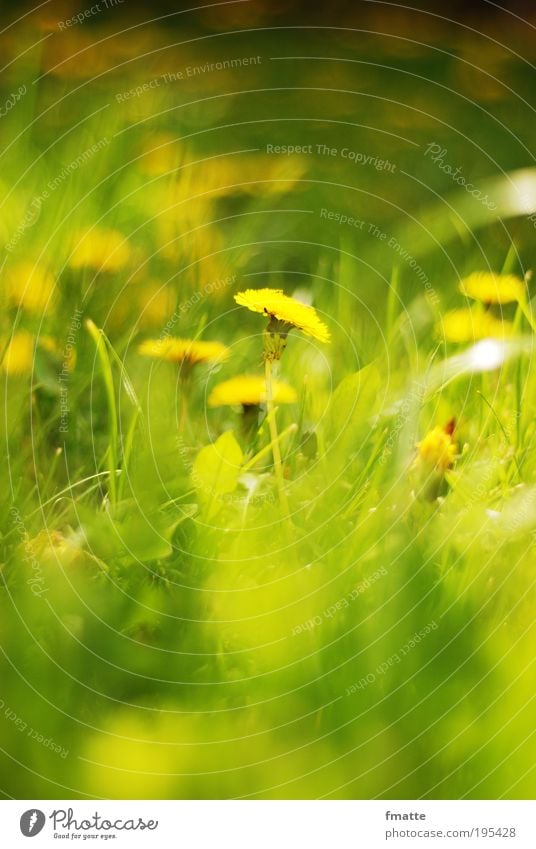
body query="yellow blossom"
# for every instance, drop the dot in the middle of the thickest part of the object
(465, 325)
(249, 390)
(274, 304)
(99, 249)
(492, 288)
(438, 449)
(30, 287)
(18, 356)
(188, 351)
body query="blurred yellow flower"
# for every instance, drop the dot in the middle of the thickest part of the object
(492, 288)
(268, 175)
(467, 325)
(187, 351)
(274, 304)
(30, 287)
(183, 210)
(18, 357)
(102, 250)
(51, 548)
(49, 344)
(148, 303)
(161, 154)
(438, 449)
(249, 390)
(154, 303)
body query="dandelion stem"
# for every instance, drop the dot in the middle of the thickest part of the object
(185, 378)
(276, 450)
(183, 418)
(267, 448)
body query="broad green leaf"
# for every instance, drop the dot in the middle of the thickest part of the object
(139, 535)
(217, 467)
(148, 537)
(354, 400)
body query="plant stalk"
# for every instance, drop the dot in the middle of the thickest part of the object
(276, 450)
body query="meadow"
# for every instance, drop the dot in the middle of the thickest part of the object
(253, 545)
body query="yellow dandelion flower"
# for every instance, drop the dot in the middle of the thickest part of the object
(18, 356)
(493, 288)
(187, 351)
(249, 390)
(438, 449)
(284, 313)
(465, 325)
(274, 304)
(101, 250)
(30, 287)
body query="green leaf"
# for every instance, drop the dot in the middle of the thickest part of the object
(139, 535)
(148, 538)
(354, 400)
(217, 467)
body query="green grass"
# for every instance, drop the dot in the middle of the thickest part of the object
(185, 639)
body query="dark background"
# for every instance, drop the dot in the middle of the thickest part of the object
(480, 11)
